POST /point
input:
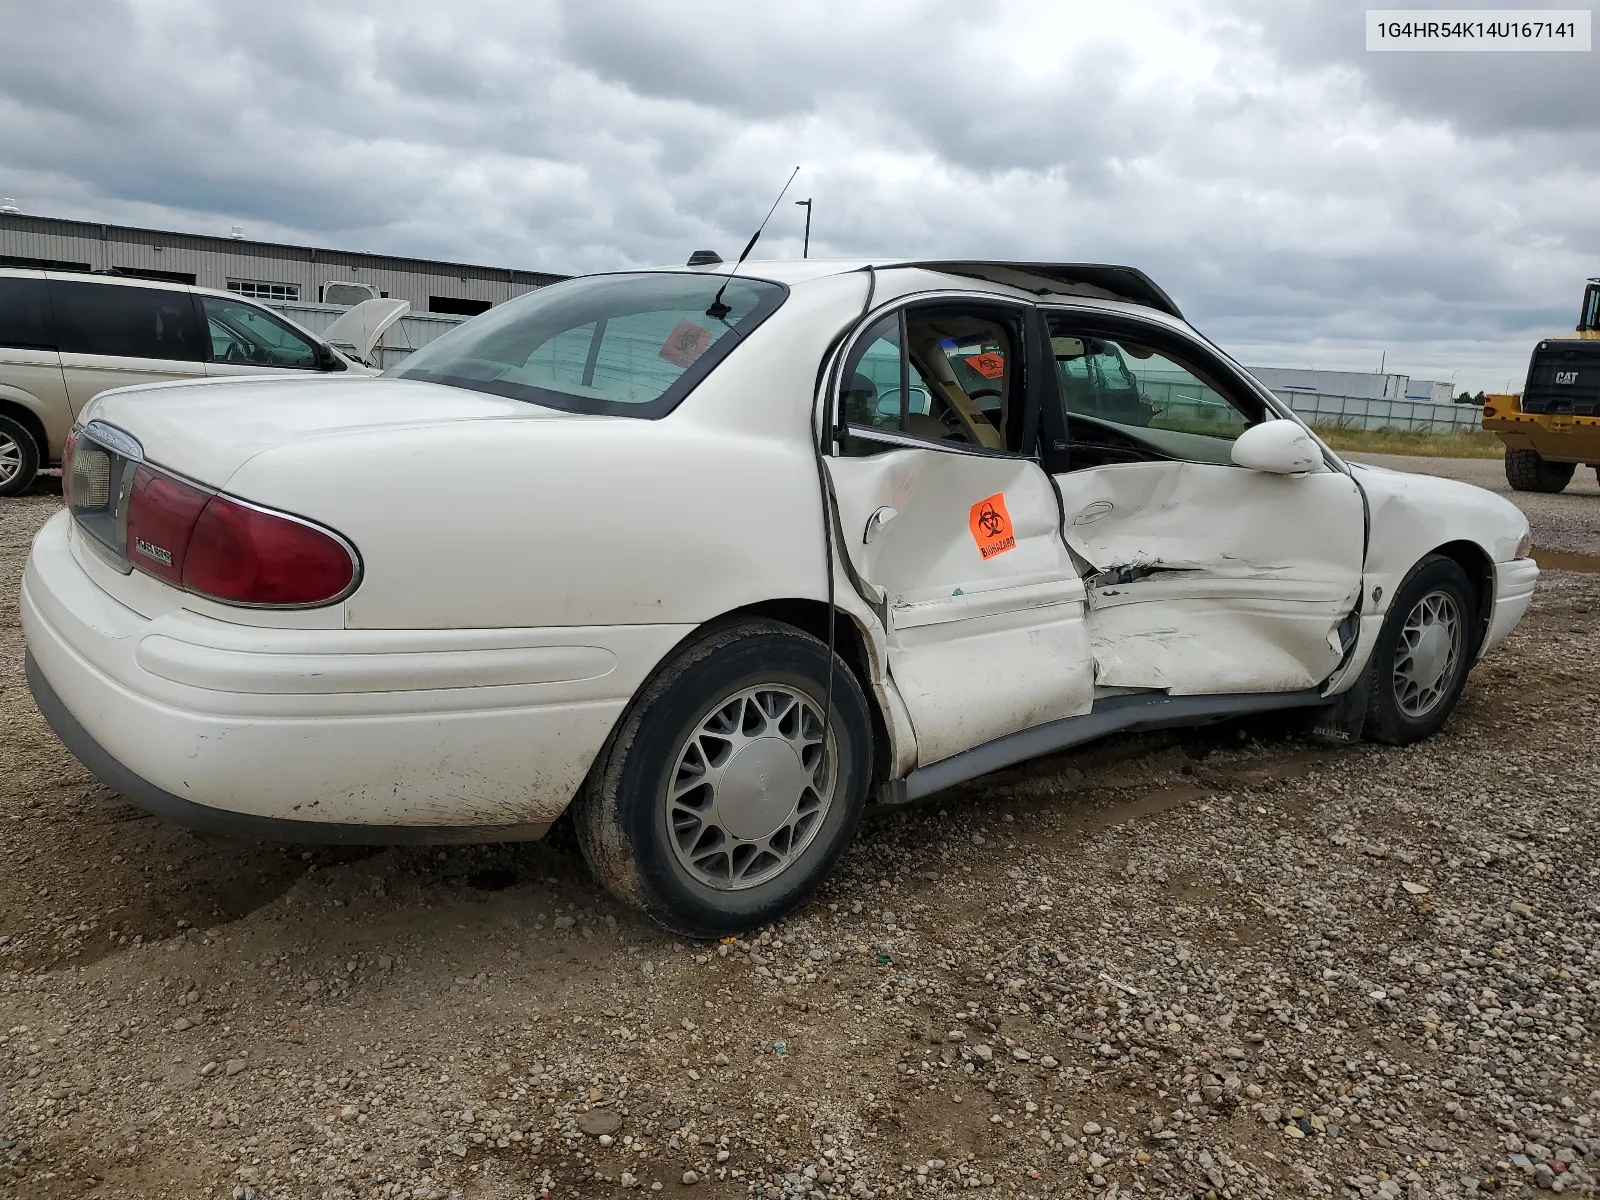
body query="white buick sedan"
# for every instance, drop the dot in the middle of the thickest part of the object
(714, 560)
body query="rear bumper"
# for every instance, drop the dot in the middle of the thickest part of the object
(148, 796)
(324, 734)
(1513, 592)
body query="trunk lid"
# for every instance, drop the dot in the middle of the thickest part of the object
(208, 429)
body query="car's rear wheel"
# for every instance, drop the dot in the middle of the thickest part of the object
(1419, 666)
(1527, 471)
(715, 805)
(19, 457)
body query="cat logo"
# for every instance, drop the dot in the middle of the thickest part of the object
(1567, 377)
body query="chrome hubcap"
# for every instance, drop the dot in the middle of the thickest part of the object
(749, 788)
(1425, 660)
(10, 459)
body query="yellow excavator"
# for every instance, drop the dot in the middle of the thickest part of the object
(1553, 427)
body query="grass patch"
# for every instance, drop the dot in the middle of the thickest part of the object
(1465, 443)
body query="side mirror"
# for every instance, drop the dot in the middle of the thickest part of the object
(328, 360)
(1280, 447)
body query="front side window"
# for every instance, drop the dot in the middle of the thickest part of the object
(25, 322)
(245, 335)
(631, 345)
(944, 374)
(1125, 399)
(125, 322)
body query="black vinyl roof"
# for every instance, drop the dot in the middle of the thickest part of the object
(1076, 279)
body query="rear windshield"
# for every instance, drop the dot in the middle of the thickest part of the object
(632, 345)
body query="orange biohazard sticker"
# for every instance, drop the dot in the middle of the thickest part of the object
(991, 526)
(988, 364)
(684, 344)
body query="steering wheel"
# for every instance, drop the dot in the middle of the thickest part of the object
(234, 354)
(955, 431)
(995, 392)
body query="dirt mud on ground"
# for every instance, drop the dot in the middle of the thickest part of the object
(1219, 964)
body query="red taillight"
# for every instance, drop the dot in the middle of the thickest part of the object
(226, 550)
(162, 511)
(244, 555)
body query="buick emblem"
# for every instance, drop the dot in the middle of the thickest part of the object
(153, 552)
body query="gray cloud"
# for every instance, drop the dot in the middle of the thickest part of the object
(1303, 200)
(1477, 93)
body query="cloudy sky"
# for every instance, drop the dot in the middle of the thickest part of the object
(1305, 202)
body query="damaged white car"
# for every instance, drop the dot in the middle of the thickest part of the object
(716, 560)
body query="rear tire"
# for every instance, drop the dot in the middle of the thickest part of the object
(711, 806)
(1526, 471)
(1425, 648)
(19, 457)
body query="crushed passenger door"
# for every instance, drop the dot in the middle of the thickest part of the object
(983, 610)
(1203, 577)
(1215, 579)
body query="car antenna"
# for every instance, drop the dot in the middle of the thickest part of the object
(718, 310)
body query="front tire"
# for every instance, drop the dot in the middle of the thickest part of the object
(1526, 471)
(1419, 666)
(712, 806)
(19, 457)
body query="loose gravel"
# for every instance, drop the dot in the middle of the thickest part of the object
(1219, 964)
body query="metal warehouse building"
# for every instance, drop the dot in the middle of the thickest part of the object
(268, 271)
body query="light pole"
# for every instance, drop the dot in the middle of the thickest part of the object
(805, 250)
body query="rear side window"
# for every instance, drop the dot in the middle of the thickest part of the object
(25, 322)
(632, 345)
(127, 322)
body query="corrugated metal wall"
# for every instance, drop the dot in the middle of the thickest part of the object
(213, 261)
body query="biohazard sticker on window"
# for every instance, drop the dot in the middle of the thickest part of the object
(989, 364)
(991, 526)
(685, 343)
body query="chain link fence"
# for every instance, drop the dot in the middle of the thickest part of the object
(1357, 412)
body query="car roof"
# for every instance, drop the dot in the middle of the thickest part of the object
(115, 278)
(165, 285)
(1102, 281)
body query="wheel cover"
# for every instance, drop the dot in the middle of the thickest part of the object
(750, 788)
(1426, 657)
(10, 459)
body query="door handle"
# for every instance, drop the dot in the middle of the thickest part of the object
(878, 522)
(1093, 512)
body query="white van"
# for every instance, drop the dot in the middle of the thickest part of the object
(66, 337)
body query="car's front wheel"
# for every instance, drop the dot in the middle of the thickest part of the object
(717, 804)
(1419, 666)
(19, 457)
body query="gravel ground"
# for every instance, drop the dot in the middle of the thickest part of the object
(1223, 964)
